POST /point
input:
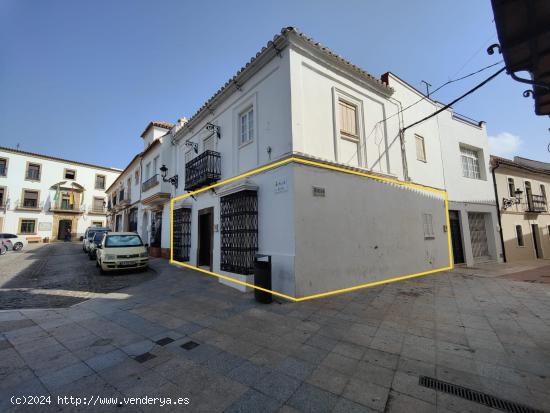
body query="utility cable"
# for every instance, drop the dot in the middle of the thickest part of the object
(498, 72)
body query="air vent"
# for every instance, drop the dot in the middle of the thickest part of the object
(475, 396)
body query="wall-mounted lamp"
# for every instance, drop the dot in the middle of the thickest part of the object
(214, 128)
(192, 144)
(173, 180)
(516, 200)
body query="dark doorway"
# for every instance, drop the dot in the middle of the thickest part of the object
(132, 220)
(206, 235)
(536, 240)
(456, 237)
(64, 229)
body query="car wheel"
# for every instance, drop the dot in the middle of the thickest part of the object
(18, 246)
(90, 257)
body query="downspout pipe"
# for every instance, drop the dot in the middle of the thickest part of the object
(497, 164)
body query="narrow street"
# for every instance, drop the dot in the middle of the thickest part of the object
(182, 334)
(55, 275)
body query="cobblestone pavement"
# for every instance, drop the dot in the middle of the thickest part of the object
(357, 352)
(55, 275)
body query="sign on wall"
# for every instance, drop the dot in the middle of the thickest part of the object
(44, 226)
(281, 185)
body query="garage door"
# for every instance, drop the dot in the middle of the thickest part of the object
(478, 235)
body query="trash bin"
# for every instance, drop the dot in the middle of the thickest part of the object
(262, 278)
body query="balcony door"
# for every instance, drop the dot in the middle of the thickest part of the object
(206, 238)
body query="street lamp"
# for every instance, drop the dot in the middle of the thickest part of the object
(163, 173)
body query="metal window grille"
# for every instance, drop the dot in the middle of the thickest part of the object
(182, 234)
(239, 231)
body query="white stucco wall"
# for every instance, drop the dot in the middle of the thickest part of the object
(268, 92)
(316, 88)
(362, 231)
(275, 226)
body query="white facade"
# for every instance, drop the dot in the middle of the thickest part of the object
(43, 196)
(139, 198)
(292, 97)
(448, 138)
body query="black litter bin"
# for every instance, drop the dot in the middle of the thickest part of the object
(262, 278)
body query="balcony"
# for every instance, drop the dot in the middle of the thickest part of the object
(65, 207)
(204, 170)
(151, 182)
(97, 211)
(29, 205)
(536, 203)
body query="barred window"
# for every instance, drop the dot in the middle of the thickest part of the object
(470, 163)
(239, 231)
(182, 234)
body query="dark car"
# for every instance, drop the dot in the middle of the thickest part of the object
(92, 248)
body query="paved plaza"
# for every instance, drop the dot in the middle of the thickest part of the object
(184, 335)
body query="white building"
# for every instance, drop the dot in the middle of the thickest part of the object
(43, 196)
(324, 229)
(139, 199)
(451, 151)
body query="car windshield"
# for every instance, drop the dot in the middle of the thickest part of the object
(98, 237)
(91, 234)
(114, 241)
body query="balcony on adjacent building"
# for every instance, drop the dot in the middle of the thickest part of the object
(66, 207)
(151, 182)
(203, 170)
(536, 203)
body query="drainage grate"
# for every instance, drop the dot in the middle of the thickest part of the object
(190, 345)
(476, 396)
(142, 358)
(164, 341)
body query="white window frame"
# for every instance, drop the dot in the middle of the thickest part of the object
(147, 171)
(428, 225)
(249, 116)
(420, 139)
(343, 134)
(337, 95)
(467, 157)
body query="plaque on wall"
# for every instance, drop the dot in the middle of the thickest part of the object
(44, 226)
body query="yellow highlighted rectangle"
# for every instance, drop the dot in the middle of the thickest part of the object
(330, 167)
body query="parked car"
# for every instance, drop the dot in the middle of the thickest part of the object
(92, 247)
(89, 236)
(17, 242)
(121, 250)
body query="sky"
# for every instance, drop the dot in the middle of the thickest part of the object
(81, 79)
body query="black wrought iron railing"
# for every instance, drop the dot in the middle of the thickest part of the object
(151, 182)
(536, 203)
(203, 170)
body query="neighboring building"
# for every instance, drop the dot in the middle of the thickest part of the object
(323, 229)
(521, 186)
(139, 200)
(43, 196)
(451, 151)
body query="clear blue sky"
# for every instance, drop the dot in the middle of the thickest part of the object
(81, 79)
